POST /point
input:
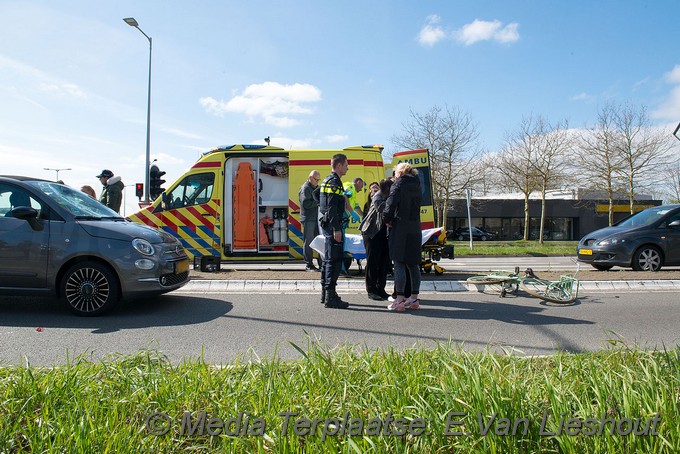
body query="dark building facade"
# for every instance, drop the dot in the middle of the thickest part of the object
(565, 219)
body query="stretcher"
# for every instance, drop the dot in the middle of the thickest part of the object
(433, 241)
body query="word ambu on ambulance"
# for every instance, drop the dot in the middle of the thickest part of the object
(240, 202)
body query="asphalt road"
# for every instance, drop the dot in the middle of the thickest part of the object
(224, 326)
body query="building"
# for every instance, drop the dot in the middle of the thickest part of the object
(569, 215)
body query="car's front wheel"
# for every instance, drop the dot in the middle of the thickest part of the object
(647, 258)
(460, 238)
(89, 288)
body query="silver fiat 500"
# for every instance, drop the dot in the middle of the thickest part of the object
(56, 240)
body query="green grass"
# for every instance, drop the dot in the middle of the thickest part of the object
(87, 407)
(515, 248)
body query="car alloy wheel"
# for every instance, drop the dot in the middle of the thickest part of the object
(89, 288)
(647, 258)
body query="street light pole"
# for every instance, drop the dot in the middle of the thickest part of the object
(56, 170)
(133, 23)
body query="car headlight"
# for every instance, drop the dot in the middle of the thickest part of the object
(610, 242)
(143, 247)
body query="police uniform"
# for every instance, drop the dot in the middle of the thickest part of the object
(331, 212)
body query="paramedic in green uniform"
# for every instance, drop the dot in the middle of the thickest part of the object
(351, 190)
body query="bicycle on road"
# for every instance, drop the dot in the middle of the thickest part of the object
(562, 291)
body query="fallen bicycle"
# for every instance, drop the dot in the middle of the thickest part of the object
(562, 291)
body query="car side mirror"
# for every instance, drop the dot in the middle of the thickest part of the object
(28, 214)
(25, 213)
(674, 224)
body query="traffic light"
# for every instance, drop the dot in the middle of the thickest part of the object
(139, 190)
(155, 182)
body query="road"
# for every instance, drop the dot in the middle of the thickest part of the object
(223, 326)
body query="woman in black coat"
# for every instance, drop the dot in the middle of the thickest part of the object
(374, 232)
(402, 216)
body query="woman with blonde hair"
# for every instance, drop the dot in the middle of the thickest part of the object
(87, 189)
(402, 216)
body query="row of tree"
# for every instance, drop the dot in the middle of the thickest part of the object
(623, 153)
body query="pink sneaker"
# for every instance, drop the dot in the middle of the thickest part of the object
(412, 304)
(398, 306)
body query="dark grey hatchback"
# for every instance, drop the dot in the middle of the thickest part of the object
(56, 240)
(645, 241)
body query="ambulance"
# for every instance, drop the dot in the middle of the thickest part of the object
(240, 202)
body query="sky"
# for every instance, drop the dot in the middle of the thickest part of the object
(309, 74)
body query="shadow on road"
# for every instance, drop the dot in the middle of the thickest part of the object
(166, 310)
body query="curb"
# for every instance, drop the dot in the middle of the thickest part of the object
(358, 286)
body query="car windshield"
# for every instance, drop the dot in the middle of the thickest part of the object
(76, 202)
(646, 217)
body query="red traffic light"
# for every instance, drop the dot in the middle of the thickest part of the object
(139, 190)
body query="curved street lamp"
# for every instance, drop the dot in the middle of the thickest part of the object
(133, 23)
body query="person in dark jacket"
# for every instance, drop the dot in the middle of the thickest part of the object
(374, 232)
(402, 217)
(331, 212)
(112, 191)
(309, 216)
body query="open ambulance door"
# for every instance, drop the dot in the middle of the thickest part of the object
(256, 205)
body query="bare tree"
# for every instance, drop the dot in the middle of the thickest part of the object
(670, 188)
(552, 143)
(451, 137)
(642, 150)
(516, 171)
(597, 158)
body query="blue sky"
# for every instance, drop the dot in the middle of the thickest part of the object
(309, 74)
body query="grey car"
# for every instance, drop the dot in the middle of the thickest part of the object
(56, 240)
(645, 241)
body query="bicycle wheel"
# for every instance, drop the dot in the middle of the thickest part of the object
(487, 279)
(560, 292)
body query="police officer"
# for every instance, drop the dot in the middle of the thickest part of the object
(331, 212)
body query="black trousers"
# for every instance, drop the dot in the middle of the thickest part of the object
(332, 261)
(377, 262)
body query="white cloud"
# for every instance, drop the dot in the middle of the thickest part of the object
(335, 138)
(431, 33)
(670, 108)
(63, 89)
(480, 30)
(581, 97)
(673, 76)
(276, 104)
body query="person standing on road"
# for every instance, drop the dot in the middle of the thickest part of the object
(331, 210)
(112, 191)
(309, 216)
(402, 216)
(374, 232)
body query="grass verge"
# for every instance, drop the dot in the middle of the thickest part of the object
(515, 248)
(590, 402)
